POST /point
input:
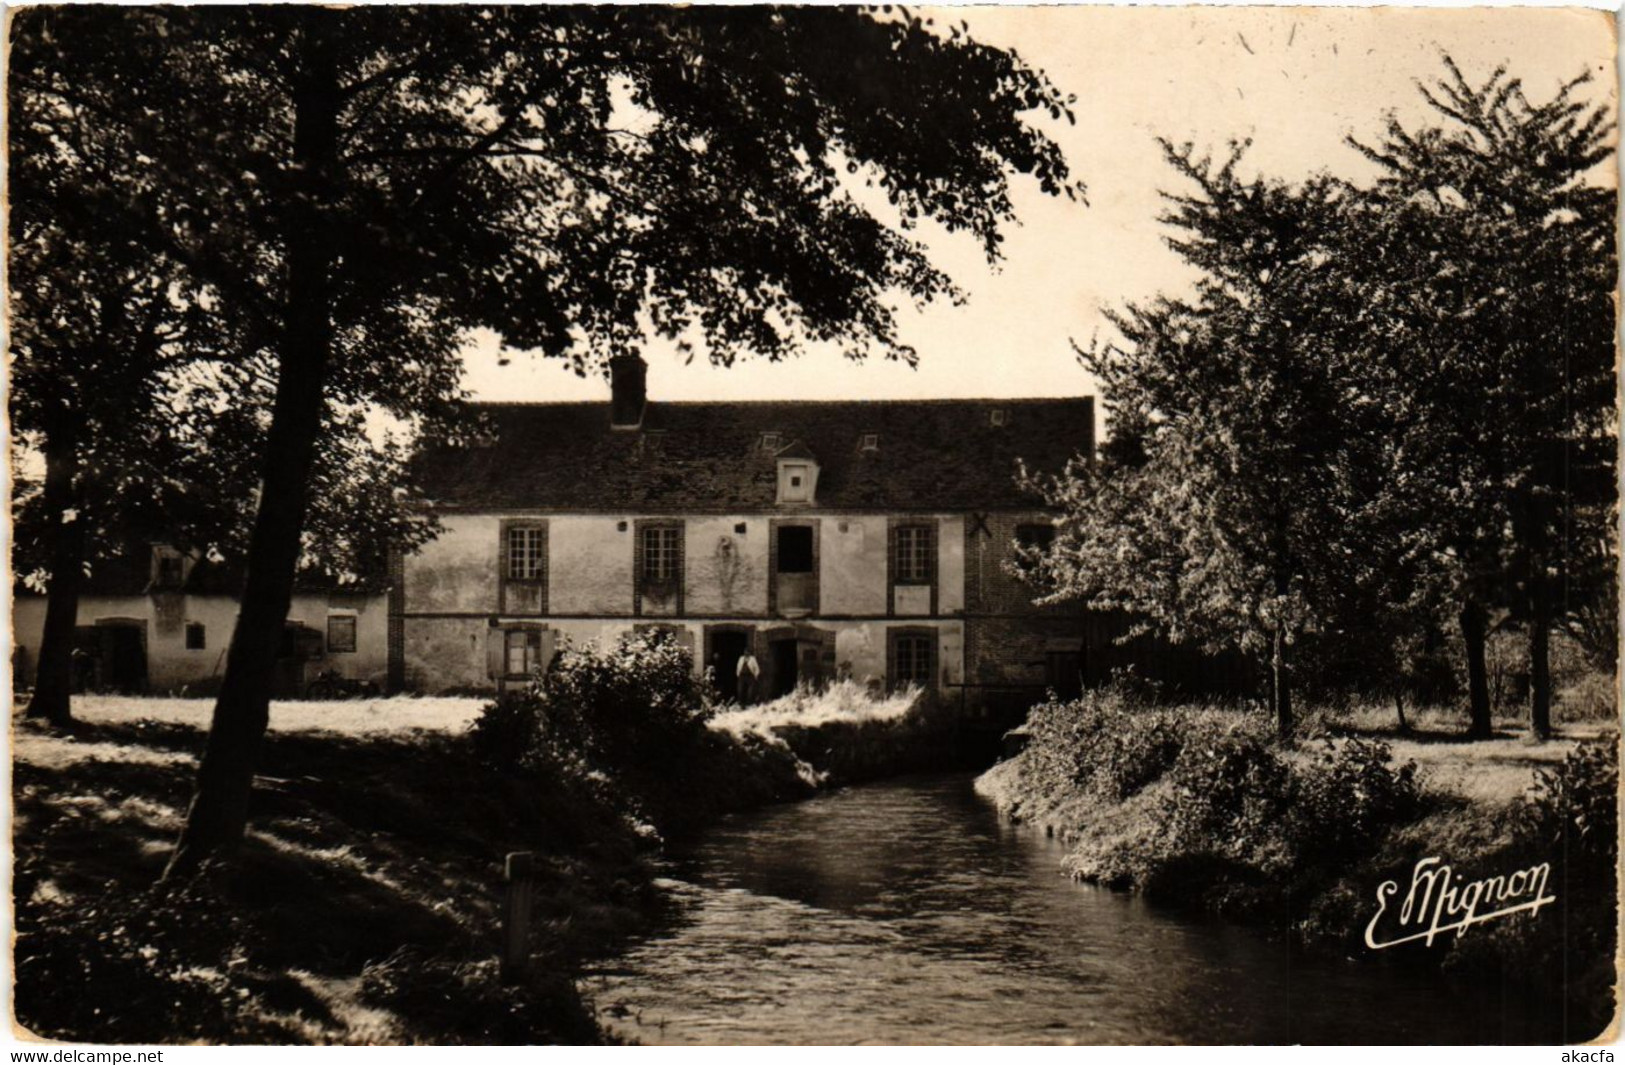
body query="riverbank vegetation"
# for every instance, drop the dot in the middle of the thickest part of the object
(365, 905)
(632, 721)
(1202, 808)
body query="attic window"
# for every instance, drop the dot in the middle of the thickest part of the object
(168, 567)
(997, 417)
(797, 481)
(869, 442)
(771, 441)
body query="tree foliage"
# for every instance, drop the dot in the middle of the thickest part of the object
(363, 185)
(1379, 401)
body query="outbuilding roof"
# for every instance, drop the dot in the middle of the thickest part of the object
(722, 456)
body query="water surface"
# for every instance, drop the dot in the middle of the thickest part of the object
(907, 912)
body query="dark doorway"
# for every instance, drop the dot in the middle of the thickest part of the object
(111, 657)
(726, 647)
(784, 667)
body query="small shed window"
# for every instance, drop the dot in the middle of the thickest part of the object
(341, 634)
(168, 568)
(196, 636)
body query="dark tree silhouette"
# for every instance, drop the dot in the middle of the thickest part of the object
(364, 184)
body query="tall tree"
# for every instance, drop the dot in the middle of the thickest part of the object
(1214, 512)
(143, 398)
(97, 319)
(1491, 266)
(370, 181)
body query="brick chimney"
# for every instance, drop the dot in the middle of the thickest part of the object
(627, 391)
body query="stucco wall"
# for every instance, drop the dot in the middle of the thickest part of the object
(726, 570)
(457, 570)
(170, 664)
(449, 654)
(852, 565)
(446, 654)
(589, 564)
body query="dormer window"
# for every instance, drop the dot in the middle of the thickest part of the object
(169, 568)
(795, 482)
(798, 474)
(869, 442)
(997, 417)
(771, 442)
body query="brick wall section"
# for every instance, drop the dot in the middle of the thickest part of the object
(1006, 636)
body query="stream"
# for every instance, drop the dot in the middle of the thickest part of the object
(908, 912)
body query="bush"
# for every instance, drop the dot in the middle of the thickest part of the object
(1228, 796)
(1346, 796)
(615, 721)
(506, 730)
(1566, 953)
(618, 708)
(1106, 743)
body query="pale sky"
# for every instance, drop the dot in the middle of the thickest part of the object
(1295, 80)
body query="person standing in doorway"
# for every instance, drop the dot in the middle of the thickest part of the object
(747, 671)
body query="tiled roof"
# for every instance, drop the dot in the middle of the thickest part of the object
(709, 457)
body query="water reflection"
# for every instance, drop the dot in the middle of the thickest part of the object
(906, 912)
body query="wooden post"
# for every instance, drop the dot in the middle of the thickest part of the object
(519, 873)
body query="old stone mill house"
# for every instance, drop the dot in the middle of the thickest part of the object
(831, 539)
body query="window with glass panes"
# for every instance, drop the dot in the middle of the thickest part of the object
(914, 550)
(341, 633)
(527, 553)
(524, 651)
(912, 655)
(661, 546)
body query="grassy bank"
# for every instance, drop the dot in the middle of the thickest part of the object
(1198, 808)
(364, 907)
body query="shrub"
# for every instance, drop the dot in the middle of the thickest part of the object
(1228, 796)
(505, 731)
(1346, 796)
(1107, 743)
(614, 709)
(1569, 820)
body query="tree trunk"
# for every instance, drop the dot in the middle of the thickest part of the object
(1399, 709)
(1280, 686)
(218, 815)
(1474, 633)
(1540, 672)
(66, 548)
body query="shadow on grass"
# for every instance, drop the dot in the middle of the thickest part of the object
(360, 847)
